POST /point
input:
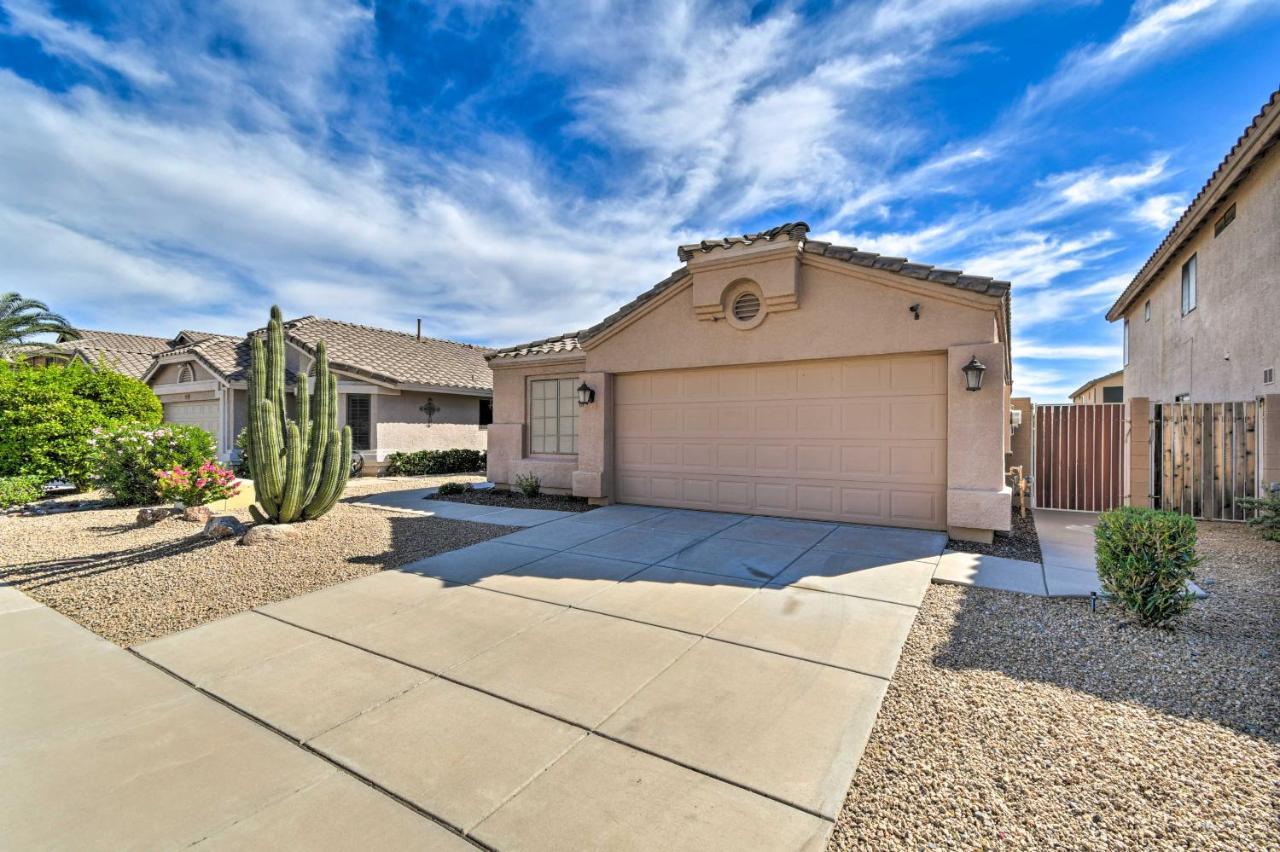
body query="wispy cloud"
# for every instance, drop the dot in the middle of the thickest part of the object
(80, 44)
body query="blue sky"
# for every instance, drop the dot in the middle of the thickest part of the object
(510, 171)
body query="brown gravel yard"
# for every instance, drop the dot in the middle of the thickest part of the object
(132, 584)
(1030, 723)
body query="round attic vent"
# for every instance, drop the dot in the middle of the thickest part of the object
(746, 307)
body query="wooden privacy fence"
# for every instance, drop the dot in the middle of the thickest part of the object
(1079, 456)
(1204, 457)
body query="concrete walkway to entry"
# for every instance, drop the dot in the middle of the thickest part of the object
(626, 678)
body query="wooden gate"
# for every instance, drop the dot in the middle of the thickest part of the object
(1204, 456)
(1079, 456)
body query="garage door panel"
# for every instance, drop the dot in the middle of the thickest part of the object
(859, 439)
(202, 414)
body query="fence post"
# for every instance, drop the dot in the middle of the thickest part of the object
(1269, 431)
(1137, 461)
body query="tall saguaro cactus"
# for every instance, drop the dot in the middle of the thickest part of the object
(299, 466)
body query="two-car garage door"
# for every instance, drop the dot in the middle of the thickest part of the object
(202, 414)
(853, 439)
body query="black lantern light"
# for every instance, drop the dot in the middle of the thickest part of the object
(586, 394)
(973, 374)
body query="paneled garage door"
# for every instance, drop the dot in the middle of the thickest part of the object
(202, 414)
(856, 439)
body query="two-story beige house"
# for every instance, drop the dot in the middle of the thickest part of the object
(1202, 316)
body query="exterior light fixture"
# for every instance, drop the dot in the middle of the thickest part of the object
(973, 374)
(586, 394)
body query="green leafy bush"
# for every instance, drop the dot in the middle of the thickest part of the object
(47, 415)
(434, 462)
(1268, 517)
(453, 488)
(17, 490)
(240, 462)
(529, 484)
(1146, 559)
(127, 457)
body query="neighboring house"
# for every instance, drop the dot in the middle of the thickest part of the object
(130, 354)
(1202, 316)
(775, 375)
(396, 391)
(1108, 388)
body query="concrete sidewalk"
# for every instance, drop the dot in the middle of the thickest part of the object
(101, 750)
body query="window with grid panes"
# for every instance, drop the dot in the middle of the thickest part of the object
(553, 416)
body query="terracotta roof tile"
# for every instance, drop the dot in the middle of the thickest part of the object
(789, 231)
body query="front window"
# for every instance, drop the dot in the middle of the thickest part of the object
(553, 416)
(1126, 341)
(358, 419)
(1113, 394)
(1189, 286)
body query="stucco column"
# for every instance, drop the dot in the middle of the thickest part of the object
(593, 478)
(1270, 432)
(1137, 452)
(978, 498)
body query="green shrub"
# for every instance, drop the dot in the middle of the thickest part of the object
(1268, 517)
(127, 457)
(18, 490)
(196, 487)
(240, 463)
(529, 484)
(47, 415)
(1146, 559)
(453, 488)
(434, 462)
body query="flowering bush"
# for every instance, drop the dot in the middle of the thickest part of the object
(125, 458)
(196, 487)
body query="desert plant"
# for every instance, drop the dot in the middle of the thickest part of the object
(240, 459)
(126, 457)
(1147, 560)
(48, 414)
(453, 488)
(1268, 518)
(22, 319)
(19, 490)
(434, 462)
(196, 487)
(299, 467)
(529, 484)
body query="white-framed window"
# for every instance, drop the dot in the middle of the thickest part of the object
(1146, 311)
(553, 416)
(186, 374)
(1189, 285)
(1126, 341)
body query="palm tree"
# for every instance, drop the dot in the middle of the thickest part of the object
(22, 319)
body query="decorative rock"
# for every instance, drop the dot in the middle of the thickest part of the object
(197, 514)
(263, 533)
(150, 515)
(223, 526)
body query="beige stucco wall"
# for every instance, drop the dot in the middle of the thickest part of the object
(1093, 393)
(1217, 352)
(843, 311)
(399, 426)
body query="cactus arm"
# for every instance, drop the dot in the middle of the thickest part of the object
(324, 419)
(304, 410)
(337, 471)
(291, 498)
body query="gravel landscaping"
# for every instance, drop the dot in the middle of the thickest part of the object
(516, 500)
(1027, 722)
(130, 584)
(1021, 542)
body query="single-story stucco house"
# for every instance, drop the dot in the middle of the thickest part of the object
(1108, 388)
(777, 375)
(397, 391)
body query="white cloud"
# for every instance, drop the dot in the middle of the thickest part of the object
(1062, 302)
(1035, 351)
(1160, 211)
(1097, 185)
(79, 44)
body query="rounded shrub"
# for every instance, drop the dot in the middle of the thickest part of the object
(48, 414)
(1146, 561)
(453, 488)
(434, 462)
(127, 457)
(20, 490)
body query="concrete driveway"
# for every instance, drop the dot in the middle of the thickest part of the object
(629, 678)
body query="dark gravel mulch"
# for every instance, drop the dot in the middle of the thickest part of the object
(1021, 542)
(516, 500)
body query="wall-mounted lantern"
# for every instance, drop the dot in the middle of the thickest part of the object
(973, 374)
(586, 394)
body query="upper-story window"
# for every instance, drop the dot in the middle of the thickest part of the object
(1146, 311)
(1126, 341)
(553, 416)
(1189, 285)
